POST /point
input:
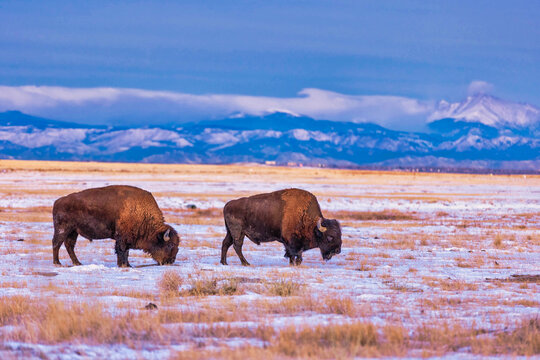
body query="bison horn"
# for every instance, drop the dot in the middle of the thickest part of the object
(320, 227)
(167, 236)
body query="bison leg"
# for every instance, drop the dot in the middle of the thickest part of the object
(122, 253)
(57, 241)
(289, 256)
(237, 244)
(70, 242)
(298, 259)
(295, 257)
(227, 242)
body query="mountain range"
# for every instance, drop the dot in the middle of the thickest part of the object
(482, 133)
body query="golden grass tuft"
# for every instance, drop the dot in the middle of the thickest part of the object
(284, 287)
(498, 241)
(341, 306)
(170, 281)
(12, 308)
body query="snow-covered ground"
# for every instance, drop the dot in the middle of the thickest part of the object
(449, 263)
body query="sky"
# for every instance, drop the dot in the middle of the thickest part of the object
(387, 62)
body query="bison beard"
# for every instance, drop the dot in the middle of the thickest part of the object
(292, 217)
(126, 214)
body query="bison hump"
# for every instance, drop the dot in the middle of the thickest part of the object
(300, 213)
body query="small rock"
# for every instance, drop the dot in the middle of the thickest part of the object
(21, 239)
(150, 306)
(191, 206)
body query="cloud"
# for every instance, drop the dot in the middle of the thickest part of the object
(135, 106)
(480, 87)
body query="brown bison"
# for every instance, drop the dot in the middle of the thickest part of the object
(126, 214)
(292, 217)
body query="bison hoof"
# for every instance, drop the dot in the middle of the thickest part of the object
(246, 264)
(57, 263)
(224, 262)
(77, 264)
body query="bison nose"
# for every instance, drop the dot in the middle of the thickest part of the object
(338, 251)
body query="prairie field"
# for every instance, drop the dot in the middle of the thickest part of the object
(432, 265)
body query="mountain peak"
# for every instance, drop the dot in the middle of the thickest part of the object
(489, 110)
(282, 111)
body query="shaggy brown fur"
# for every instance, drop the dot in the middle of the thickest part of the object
(126, 214)
(289, 216)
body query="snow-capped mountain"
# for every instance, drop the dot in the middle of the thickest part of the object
(490, 111)
(278, 137)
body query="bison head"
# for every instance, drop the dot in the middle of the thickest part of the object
(166, 248)
(328, 233)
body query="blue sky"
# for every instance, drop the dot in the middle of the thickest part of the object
(416, 50)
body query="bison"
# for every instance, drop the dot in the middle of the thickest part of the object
(126, 214)
(291, 216)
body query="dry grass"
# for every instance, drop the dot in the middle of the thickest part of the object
(204, 315)
(329, 342)
(523, 302)
(14, 284)
(437, 303)
(144, 295)
(288, 305)
(221, 331)
(218, 171)
(29, 214)
(341, 306)
(388, 215)
(365, 266)
(13, 308)
(448, 284)
(210, 216)
(296, 305)
(170, 282)
(498, 241)
(207, 286)
(53, 322)
(284, 287)
(444, 338)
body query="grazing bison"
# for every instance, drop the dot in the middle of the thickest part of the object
(126, 214)
(292, 217)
